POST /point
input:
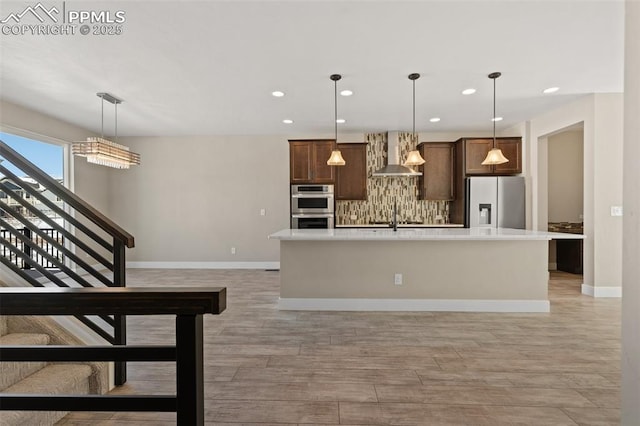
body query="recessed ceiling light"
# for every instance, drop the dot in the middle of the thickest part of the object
(341, 120)
(346, 93)
(287, 121)
(469, 91)
(496, 119)
(434, 119)
(551, 90)
(278, 94)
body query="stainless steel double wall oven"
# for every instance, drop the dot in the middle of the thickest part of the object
(312, 206)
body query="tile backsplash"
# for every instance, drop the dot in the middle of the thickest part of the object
(382, 191)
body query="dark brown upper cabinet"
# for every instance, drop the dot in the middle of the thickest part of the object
(512, 149)
(351, 179)
(438, 171)
(474, 151)
(308, 161)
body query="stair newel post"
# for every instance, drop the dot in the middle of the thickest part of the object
(120, 326)
(189, 370)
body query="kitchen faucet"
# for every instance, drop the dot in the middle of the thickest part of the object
(394, 220)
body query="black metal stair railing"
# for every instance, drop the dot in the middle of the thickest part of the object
(187, 304)
(45, 227)
(38, 257)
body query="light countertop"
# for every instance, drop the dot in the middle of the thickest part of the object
(418, 234)
(404, 225)
(567, 227)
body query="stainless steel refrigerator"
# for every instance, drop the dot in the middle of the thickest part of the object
(495, 201)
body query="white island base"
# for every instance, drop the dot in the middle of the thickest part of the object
(441, 270)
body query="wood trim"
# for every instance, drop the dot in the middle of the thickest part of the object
(112, 300)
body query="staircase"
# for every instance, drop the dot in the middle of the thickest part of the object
(51, 237)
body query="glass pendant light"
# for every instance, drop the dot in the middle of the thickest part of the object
(105, 152)
(336, 156)
(414, 158)
(494, 156)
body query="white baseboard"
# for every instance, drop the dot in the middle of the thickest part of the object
(449, 305)
(601, 291)
(203, 265)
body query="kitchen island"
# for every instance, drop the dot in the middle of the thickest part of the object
(415, 269)
(402, 225)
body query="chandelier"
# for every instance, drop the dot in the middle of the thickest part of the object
(105, 152)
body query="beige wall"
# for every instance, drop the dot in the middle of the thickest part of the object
(631, 240)
(601, 117)
(565, 181)
(194, 198)
(607, 191)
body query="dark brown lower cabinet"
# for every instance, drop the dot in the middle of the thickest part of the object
(569, 255)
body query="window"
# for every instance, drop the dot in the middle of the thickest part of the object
(47, 156)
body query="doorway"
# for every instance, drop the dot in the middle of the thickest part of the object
(565, 198)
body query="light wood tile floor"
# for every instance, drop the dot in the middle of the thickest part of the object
(269, 367)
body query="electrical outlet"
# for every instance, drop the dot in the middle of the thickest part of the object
(397, 279)
(263, 212)
(233, 250)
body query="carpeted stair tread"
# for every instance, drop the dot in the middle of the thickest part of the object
(52, 379)
(13, 372)
(58, 379)
(24, 339)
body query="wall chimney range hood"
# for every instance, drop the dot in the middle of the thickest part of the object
(393, 167)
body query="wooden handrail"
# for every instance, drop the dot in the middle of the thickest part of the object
(112, 300)
(67, 196)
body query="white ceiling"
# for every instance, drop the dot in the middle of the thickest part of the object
(206, 68)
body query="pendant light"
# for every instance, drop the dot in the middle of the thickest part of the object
(414, 158)
(494, 156)
(336, 156)
(105, 152)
